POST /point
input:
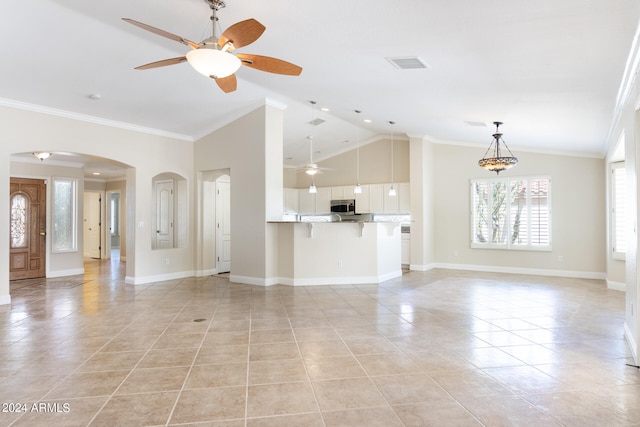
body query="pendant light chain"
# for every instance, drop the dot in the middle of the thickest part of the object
(358, 188)
(392, 190)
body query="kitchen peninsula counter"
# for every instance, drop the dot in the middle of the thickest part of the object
(338, 252)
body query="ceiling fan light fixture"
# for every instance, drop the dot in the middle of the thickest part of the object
(213, 63)
(311, 171)
(313, 189)
(42, 155)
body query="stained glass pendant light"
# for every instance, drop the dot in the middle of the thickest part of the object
(497, 163)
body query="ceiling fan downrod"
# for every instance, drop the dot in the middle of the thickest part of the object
(215, 6)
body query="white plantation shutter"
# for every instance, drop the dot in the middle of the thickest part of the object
(480, 217)
(618, 217)
(511, 213)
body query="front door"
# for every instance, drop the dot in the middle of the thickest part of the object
(27, 240)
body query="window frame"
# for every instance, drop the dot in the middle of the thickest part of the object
(72, 216)
(508, 245)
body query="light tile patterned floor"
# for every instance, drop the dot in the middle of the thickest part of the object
(434, 348)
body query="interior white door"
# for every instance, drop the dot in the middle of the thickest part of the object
(164, 214)
(223, 226)
(91, 224)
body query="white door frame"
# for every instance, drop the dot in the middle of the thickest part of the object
(223, 209)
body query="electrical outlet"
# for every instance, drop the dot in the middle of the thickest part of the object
(455, 253)
(166, 261)
(560, 258)
(340, 263)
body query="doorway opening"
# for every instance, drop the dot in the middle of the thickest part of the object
(115, 225)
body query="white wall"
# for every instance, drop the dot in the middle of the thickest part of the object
(148, 155)
(251, 149)
(578, 213)
(628, 123)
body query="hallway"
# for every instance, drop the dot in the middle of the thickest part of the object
(429, 348)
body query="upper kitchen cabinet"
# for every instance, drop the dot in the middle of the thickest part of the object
(323, 200)
(363, 202)
(376, 198)
(291, 204)
(404, 199)
(306, 201)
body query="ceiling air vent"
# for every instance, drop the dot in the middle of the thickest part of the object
(476, 124)
(408, 62)
(317, 121)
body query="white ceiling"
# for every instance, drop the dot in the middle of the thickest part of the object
(548, 69)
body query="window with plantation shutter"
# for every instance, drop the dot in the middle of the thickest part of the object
(618, 210)
(511, 213)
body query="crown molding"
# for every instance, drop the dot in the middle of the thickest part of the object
(91, 119)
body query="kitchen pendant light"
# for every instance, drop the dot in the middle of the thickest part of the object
(392, 190)
(358, 188)
(497, 163)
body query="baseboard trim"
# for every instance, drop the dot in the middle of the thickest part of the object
(527, 271)
(348, 280)
(64, 273)
(616, 286)
(5, 299)
(632, 342)
(247, 280)
(129, 280)
(205, 273)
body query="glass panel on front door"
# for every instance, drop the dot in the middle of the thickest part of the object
(19, 221)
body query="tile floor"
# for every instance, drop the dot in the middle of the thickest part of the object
(436, 348)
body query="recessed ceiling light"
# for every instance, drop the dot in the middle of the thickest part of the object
(367, 120)
(96, 173)
(346, 141)
(324, 109)
(95, 97)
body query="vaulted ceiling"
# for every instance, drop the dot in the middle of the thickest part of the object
(550, 70)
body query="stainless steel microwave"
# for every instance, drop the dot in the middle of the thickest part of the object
(343, 207)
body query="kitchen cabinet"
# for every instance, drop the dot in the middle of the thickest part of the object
(404, 198)
(390, 202)
(373, 199)
(363, 204)
(306, 201)
(323, 200)
(337, 193)
(291, 204)
(376, 198)
(405, 248)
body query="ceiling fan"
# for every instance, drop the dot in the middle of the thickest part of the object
(212, 56)
(312, 168)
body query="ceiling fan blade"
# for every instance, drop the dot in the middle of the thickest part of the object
(162, 63)
(162, 33)
(227, 84)
(269, 64)
(241, 33)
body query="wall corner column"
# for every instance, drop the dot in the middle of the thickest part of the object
(422, 184)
